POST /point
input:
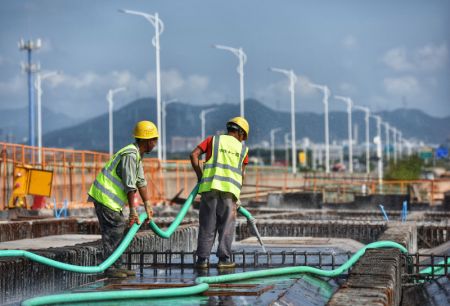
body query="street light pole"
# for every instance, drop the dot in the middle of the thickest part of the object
(349, 103)
(400, 142)
(30, 68)
(240, 70)
(286, 146)
(272, 145)
(379, 144)
(38, 86)
(164, 131)
(326, 94)
(388, 154)
(109, 98)
(366, 119)
(292, 80)
(159, 28)
(203, 120)
(394, 136)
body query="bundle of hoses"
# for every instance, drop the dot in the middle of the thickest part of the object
(201, 283)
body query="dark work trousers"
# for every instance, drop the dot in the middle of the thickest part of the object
(112, 227)
(217, 216)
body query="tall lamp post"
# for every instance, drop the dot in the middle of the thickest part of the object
(30, 68)
(38, 86)
(286, 146)
(366, 110)
(388, 144)
(164, 131)
(240, 69)
(110, 99)
(272, 145)
(400, 143)
(349, 103)
(326, 95)
(203, 119)
(379, 143)
(159, 28)
(292, 80)
(394, 138)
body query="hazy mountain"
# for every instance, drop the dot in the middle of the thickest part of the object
(183, 120)
(14, 123)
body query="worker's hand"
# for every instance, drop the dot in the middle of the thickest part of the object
(149, 211)
(133, 218)
(238, 204)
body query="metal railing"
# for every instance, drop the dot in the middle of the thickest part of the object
(75, 170)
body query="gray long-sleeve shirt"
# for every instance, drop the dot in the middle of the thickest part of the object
(126, 170)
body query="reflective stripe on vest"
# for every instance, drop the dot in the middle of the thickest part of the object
(223, 171)
(108, 188)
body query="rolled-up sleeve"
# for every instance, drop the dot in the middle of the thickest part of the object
(131, 178)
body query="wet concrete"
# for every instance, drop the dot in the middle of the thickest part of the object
(20, 278)
(285, 290)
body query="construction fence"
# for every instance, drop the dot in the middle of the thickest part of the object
(75, 170)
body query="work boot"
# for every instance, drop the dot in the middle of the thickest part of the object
(127, 272)
(114, 273)
(225, 263)
(201, 263)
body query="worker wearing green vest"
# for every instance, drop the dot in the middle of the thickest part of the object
(116, 186)
(220, 181)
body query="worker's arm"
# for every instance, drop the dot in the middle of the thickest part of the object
(195, 162)
(134, 181)
(147, 204)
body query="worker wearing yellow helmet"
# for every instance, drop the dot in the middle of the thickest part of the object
(220, 181)
(116, 186)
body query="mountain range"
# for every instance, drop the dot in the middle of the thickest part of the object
(183, 120)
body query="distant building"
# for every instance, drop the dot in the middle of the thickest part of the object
(184, 144)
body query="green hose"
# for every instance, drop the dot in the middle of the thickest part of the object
(201, 283)
(117, 253)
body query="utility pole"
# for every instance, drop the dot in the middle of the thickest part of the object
(326, 94)
(164, 131)
(30, 68)
(203, 120)
(292, 80)
(109, 98)
(366, 118)
(240, 54)
(38, 86)
(378, 142)
(349, 103)
(272, 145)
(159, 28)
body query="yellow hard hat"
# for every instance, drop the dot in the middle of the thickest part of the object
(242, 123)
(145, 130)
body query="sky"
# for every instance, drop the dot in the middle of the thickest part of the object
(384, 54)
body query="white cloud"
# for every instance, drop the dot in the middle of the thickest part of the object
(84, 94)
(431, 57)
(427, 58)
(349, 42)
(280, 88)
(397, 59)
(402, 86)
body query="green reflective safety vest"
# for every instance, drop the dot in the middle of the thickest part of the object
(108, 188)
(223, 171)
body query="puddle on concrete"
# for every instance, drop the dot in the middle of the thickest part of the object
(293, 289)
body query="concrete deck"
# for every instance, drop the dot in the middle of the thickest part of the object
(54, 241)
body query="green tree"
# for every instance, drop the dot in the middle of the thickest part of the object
(406, 169)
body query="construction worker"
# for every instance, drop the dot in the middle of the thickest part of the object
(220, 181)
(116, 185)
